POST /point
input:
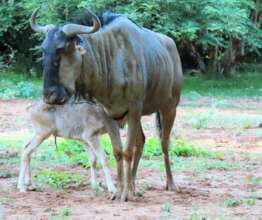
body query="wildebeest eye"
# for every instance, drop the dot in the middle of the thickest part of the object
(59, 51)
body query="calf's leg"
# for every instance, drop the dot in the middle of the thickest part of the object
(92, 160)
(94, 143)
(28, 173)
(25, 160)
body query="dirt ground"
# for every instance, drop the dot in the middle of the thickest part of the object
(201, 196)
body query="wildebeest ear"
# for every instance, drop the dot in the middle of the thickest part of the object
(81, 49)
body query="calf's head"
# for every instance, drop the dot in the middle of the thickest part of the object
(61, 57)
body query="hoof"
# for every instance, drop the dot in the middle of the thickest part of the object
(111, 189)
(172, 187)
(127, 195)
(116, 195)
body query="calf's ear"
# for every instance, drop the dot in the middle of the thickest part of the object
(49, 108)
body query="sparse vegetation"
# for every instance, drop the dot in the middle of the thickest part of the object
(231, 202)
(66, 211)
(58, 180)
(62, 214)
(199, 120)
(196, 216)
(143, 189)
(5, 174)
(96, 189)
(255, 180)
(167, 207)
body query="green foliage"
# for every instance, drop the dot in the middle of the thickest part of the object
(57, 179)
(241, 84)
(216, 30)
(75, 152)
(18, 86)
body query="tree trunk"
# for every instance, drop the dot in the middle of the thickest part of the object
(199, 59)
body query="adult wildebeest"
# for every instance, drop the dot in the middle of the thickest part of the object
(130, 70)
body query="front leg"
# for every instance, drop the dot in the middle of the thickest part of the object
(23, 178)
(113, 131)
(133, 127)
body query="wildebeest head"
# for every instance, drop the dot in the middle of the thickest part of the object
(59, 49)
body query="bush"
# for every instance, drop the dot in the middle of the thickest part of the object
(213, 33)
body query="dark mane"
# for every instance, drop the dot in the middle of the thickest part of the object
(85, 18)
(105, 18)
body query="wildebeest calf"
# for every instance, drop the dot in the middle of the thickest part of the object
(82, 122)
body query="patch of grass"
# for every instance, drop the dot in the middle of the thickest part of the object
(143, 189)
(177, 148)
(13, 85)
(187, 149)
(152, 148)
(255, 180)
(75, 152)
(66, 211)
(214, 118)
(194, 215)
(193, 164)
(6, 174)
(167, 207)
(96, 189)
(62, 214)
(256, 195)
(241, 84)
(231, 202)
(199, 120)
(57, 180)
(250, 201)
(202, 164)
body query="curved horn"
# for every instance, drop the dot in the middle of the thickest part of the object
(37, 28)
(74, 29)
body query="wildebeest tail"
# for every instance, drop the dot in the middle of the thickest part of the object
(158, 124)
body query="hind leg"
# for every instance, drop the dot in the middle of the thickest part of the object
(94, 143)
(92, 161)
(28, 173)
(167, 118)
